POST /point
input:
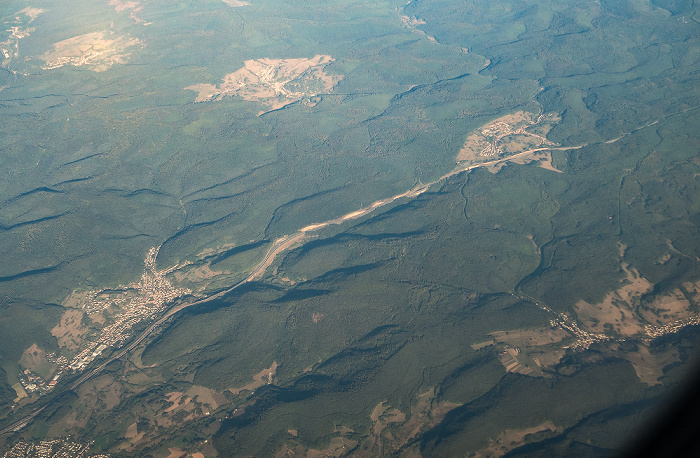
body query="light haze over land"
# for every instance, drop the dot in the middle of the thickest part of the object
(422, 228)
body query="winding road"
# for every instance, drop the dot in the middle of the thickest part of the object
(279, 246)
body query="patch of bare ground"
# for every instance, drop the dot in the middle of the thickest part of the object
(182, 405)
(543, 159)
(511, 439)
(693, 291)
(263, 377)
(198, 274)
(524, 347)
(36, 360)
(480, 345)
(235, 3)
(392, 430)
(70, 332)
(274, 83)
(649, 366)
(175, 452)
(548, 357)
(205, 396)
(530, 337)
(667, 308)
(97, 51)
(382, 416)
(508, 135)
(412, 23)
(31, 13)
(510, 358)
(212, 251)
(131, 431)
(131, 6)
(426, 412)
(338, 446)
(618, 308)
(132, 436)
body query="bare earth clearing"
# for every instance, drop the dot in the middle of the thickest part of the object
(131, 6)
(97, 51)
(272, 82)
(391, 430)
(508, 135)
(511, 439)
(235, 3)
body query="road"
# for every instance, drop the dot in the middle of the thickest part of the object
(279, 246)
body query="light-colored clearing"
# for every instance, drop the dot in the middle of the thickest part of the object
(509, 135)
(35, 359)
(542, 158)
(69, 331)
(200, 273)
(479, 346)
(649, 367)
(131, 431)
(693, 290)
(511, 439)
(272, 82)
(19, 389)
(618, 307)
(123, 5)
(220, 249)
(129, 5)
(509, 359)
(235, 3)
(205, 396)
(174, 397)
(176, 452)
(667, 308)
(30, 12)
(263, 377)
(531, 337)
(97, 51)
(336, 448)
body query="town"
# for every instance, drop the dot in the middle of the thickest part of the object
(584, 339)
(57, 448)
(137, 302)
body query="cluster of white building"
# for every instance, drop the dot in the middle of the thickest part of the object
(34, 383)
(658, 331)
(584, 339)
(57, 448)
(150, 297)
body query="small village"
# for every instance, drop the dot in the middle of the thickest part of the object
(584, 339)
(150, 297)
(657, 331)
(57, 448)
(499, 130)
(134, 303)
